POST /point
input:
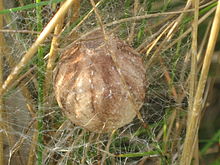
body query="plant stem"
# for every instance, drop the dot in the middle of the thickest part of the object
(52, 57)
(2, 41)
(193, 75)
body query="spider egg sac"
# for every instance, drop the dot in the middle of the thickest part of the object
(100, 83)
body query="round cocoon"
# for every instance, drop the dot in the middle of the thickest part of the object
(100, 83)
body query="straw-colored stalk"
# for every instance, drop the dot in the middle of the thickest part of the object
(193, 77)
(52, 57)
(194, 118)
(33, 49)
(54, 45)
(194, 53)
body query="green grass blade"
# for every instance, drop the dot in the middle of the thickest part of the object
(139, 154)
(215, 139)
(29, 6)
(40, 79)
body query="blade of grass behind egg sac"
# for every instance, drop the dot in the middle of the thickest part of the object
(40, 80)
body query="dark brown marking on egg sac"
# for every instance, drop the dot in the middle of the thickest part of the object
(100, 84)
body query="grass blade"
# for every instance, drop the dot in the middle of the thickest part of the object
(29, 6)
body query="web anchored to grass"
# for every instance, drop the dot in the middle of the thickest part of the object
(177, 58)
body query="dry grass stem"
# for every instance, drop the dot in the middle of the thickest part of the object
(104, 155)
(193, 121)
(179, 19)
(193, 75)
(18, 31)
(52, 56)
(65, 157)
(136, 18)
(59, 145)
(132, 29)
(31, 155)
(87, 147)
(154, 43)
(194, 53)
(159, 48)
(33, 49)
(2, 47)
(196, 152)
(99, 19)
(84, 18)
(15, 148)
(203, 18)
(143, 47)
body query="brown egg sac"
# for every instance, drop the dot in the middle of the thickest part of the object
(99, 83)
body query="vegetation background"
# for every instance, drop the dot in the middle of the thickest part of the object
(180, 45)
